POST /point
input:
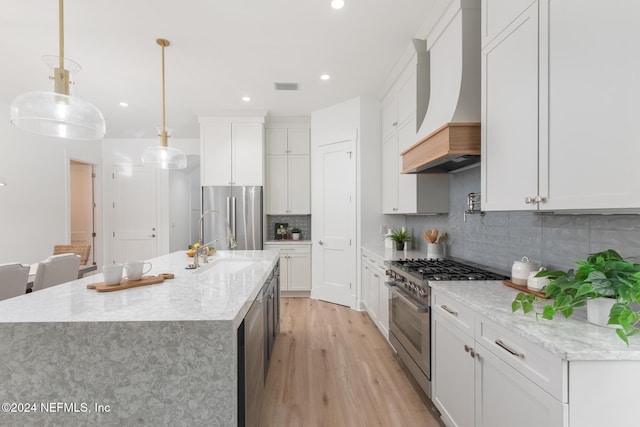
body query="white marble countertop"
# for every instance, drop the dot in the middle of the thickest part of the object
(570, 339)
(221, 290)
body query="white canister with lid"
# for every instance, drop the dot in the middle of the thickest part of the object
(537, 283)
(521, 269)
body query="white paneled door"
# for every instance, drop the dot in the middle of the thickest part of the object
(82, 205)
(334, 220)
(135, 210)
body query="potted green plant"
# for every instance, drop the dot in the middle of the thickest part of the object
(295, 233)
(604, 277)
(400, 236)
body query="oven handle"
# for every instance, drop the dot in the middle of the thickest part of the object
(401, 294)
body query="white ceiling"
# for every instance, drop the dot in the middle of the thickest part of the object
(220, 51)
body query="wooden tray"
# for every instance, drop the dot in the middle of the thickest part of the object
(126, 284)
(540, 294)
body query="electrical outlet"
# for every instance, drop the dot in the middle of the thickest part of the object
(383, 229)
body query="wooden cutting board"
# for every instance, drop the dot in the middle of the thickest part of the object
(126, 284)
(540, 294)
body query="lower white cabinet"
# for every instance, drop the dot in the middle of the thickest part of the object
(295, 266)
(374, 293)
(499, 384)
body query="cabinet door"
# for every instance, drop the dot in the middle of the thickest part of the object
(285, 272)
(498, 14)
(407, 184)
(365, 282)
(298, 141)
(389, 116)
(591, 156)
(407, 98)
(383, 303)
(510, 116)
(247, 154)
(505, 398)
(300, 272)
(275, 141)
(374, 295)
(390, 174)
(453, 373)
(299, 184)
(276, 185)
(216, 154)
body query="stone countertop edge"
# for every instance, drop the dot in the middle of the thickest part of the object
(570, 339)
(222, 294)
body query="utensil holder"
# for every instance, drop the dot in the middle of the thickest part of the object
(435, 250)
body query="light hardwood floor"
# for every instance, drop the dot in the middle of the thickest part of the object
(331, 367)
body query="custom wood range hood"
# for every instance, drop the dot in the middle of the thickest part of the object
(450, 147)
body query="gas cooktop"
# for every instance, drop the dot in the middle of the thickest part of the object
(443, 269)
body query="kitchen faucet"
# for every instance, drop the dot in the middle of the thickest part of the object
(202, 246)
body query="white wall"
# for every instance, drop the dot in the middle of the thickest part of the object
(34, 206)
(184, 205)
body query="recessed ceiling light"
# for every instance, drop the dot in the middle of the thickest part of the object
(124, 104)
(325, 76)
(337, 4)
(246, 99)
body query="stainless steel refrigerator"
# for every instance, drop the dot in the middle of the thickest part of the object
(241, 208)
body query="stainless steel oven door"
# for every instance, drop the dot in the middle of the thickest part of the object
(410, 324)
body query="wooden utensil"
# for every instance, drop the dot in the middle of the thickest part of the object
(428, 236)
(442, 238)
(434, 235)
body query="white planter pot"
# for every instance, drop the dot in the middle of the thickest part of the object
(598, 311)
(295, 236)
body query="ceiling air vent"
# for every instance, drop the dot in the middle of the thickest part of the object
(286, 86)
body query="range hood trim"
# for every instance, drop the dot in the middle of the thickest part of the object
(450, 147)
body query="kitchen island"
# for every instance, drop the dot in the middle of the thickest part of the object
(163, 354)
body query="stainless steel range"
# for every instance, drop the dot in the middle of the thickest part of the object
(410, 307)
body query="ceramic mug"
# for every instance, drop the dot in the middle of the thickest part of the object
(521, 269)
(137, 269)
(113, 274)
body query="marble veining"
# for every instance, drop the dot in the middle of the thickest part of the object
(571, 339)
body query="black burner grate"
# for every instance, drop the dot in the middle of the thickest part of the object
(445, 269)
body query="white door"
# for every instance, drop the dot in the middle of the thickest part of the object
(81, 199)
(334, 220)
(135, 210)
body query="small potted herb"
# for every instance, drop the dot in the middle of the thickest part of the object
(604, 277)
(295, 233)
(400, 236)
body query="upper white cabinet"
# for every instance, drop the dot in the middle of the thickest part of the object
(232, 151)
(288, 171)
(560, 92)
(409, 193)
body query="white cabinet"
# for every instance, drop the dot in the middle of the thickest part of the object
(406, 193)
(374, 295)
(295, 266)
(487, 376)
(550, 106)
(232, 153)
(288, 171)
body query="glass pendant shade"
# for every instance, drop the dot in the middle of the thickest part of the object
(164, 157)
(57, 115)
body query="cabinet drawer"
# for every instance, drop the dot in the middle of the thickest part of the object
(539, 365)
(288, 248)
(458, 314)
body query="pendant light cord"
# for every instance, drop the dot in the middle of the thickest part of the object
(163, 94)
(61, 21)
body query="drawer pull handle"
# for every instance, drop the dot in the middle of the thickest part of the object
(509, 349)
(448, 310)
(467, 348)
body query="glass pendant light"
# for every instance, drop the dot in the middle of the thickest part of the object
(162, 156)
(57, 113)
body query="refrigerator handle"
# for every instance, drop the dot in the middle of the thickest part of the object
(232, 218)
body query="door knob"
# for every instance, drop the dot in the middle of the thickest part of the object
(321, 242)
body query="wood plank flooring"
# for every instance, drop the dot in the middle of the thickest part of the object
(331, 367)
